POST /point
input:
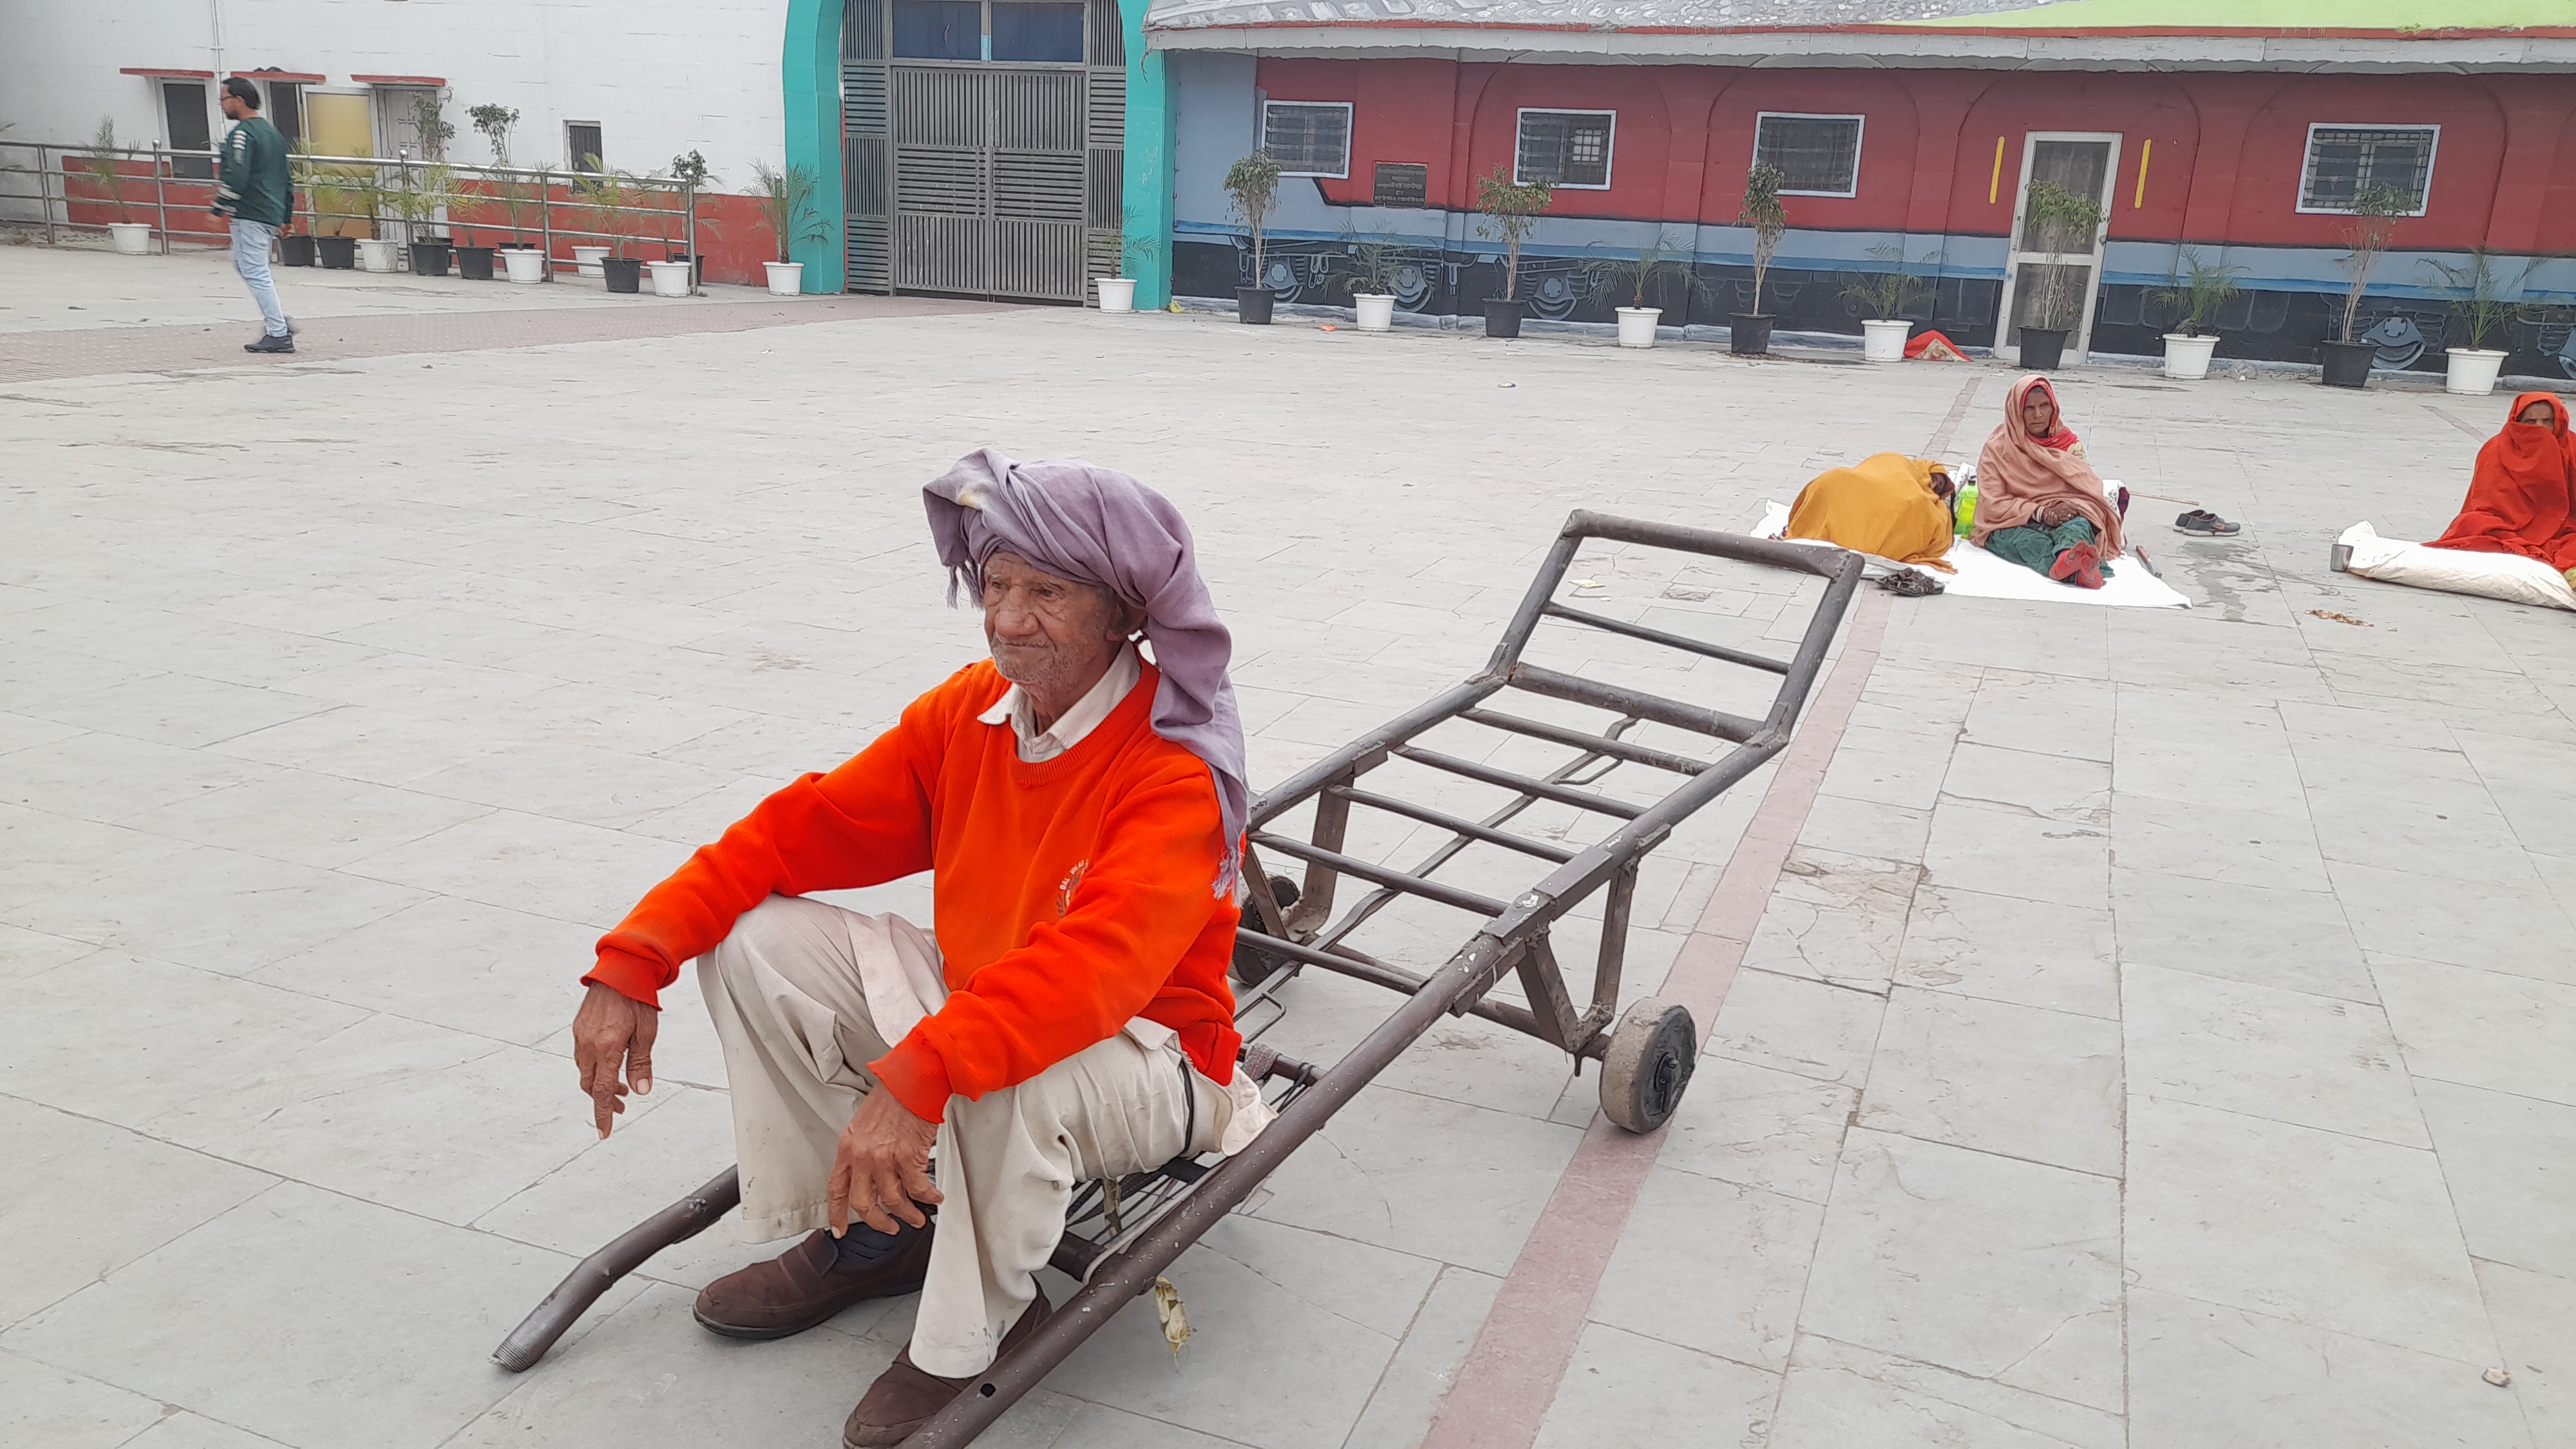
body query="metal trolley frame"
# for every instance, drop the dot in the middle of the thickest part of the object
(1122, 1235)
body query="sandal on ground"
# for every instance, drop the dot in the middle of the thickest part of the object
(1910, 584)
(2207, 524)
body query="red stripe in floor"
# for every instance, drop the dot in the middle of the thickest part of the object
(1510, 1377)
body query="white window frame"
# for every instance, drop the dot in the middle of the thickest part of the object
(1609, 144)
(573, 162)
(2308, 161)
(1860, 136)
(1343, 106)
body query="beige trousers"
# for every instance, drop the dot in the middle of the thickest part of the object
(797, 992)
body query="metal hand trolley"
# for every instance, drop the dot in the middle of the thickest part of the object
(1120, 1236)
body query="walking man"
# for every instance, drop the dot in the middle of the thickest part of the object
(252, 189)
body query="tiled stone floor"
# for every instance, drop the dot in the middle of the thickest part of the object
(2159, 1037)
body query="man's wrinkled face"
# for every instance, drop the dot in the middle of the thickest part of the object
(1047, 634)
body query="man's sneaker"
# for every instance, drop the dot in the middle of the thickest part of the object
(2207, 524)
(271, 344)
(807, 1285)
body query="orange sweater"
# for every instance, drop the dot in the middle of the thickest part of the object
(1070, 896)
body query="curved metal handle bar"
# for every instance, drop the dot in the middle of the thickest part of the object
(600, 1271)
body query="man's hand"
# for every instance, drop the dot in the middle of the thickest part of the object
(613, 1030)
(883, 1168)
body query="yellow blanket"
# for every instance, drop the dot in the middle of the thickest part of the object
(1882, 505)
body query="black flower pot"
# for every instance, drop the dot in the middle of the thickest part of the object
(474, 264)
(1503, 316)
(1748, 334)
(2043, 349)
(2347, 363)
(1252, 306)
(429, 259)
(697, 266)
(338, 253)
(624, 274)
(297, 250)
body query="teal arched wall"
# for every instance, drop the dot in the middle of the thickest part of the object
(811, 73)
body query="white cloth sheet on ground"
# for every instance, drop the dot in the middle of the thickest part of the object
(1982, 575)
(2506, 576)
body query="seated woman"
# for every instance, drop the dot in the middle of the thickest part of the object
(1887, 504)
(2522, 498)
(2038, 502)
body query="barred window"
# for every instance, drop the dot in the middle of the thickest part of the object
(1565, 148)
(2345, 161)
(1816, 155)
(1308, 138)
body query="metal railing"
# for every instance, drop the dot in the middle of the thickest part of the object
(381, 194)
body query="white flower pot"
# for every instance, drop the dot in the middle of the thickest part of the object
(1376, 310)
(130, 238)
(586, 261)
(1117, 294)
(1883, 338)
(379, 256)
(670, 279)
(2472, 371)
(526, 264)
(1637, 326)
(786, 279)
(2187, 358)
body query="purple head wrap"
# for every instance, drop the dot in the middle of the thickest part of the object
(1106, 529)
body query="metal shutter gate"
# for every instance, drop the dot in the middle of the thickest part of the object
(986, 179)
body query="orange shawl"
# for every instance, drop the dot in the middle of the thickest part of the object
(1883, 505)
(2018, 474)
(2524, 491)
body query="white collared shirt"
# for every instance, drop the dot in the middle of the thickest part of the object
(1037, 746)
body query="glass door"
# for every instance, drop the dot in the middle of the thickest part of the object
(2051, 270)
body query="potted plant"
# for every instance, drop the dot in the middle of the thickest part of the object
(1118, 293)
(424, 193)
(786, 201)
(1749, 333)
(521, 197)
(373, 199)
(1375, 264)
(2372, 231)
(1880, 300)
(1657, 264)
(681, 275)
(2478, 301)
(332, 206)
(495, 121)
(133, 238)
(1510, 210)
(2062, 222)
(1253, 183)
(296, 248)
(613, 197)
(2198, 290)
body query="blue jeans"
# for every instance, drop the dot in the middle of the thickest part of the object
(250, 259)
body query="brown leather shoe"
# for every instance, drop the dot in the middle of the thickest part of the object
(904, 1397)
(805, 1286)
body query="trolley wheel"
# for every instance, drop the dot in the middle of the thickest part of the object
(1647, 1064)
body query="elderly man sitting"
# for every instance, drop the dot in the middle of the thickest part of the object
(1067, 1016)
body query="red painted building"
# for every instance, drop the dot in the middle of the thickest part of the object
(1905, 146)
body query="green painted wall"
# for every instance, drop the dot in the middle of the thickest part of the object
(811, 64)
(1148, 189)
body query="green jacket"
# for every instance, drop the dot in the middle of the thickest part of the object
(251, 179)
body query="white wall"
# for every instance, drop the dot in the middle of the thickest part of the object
(660, 76)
